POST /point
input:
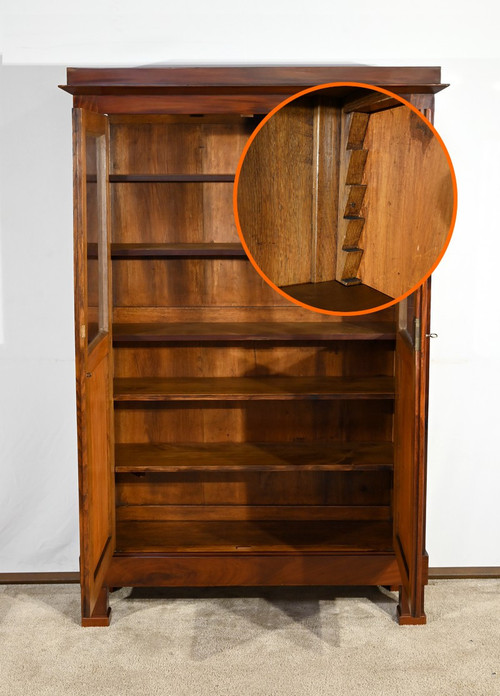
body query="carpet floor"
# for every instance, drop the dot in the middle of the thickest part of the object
(247, 642)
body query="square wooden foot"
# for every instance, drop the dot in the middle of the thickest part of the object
(101, 615)
(405, 616)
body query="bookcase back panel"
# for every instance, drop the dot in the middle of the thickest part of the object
(255, 488)
(275, 205)
(344, 358)
(198, 282)
(280, 421)
(172, 212)
(178, 144)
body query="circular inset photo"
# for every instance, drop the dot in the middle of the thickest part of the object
(345, 198)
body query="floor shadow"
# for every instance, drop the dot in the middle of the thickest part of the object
(226, 619)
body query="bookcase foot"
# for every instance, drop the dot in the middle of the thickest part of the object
(101, 615)
(405, 617)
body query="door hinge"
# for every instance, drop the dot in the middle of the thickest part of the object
(83, 331)
(417, 337)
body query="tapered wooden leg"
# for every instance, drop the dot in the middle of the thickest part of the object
(102, 612)
(405, 616)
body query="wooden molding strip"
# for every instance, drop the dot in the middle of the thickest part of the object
(464, 573)
(38, 578)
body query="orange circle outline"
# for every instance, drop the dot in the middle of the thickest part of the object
(237, 178)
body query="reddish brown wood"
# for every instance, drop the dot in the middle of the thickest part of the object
(252, 76)
(165, 251)
(248, 428)
(244, 536)
(94, 370)
(169, 178)
(228, 570)
(251, 388)
(264, 456)
(410, 456)
(337, 297)
(307, 513)
(101, 614)
(246, 331)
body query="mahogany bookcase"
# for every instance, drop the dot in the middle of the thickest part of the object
(227, 436)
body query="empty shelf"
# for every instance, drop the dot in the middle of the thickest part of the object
(167, 251)
(254, 456)
(334, 296)
(253, 537)
(245, 331)
(177, 178)
(252, 388)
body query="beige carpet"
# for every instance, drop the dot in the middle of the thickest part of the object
(251, 642)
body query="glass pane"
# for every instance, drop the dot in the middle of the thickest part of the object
(96, 236)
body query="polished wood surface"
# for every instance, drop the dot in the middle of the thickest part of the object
(94, 371)
(226, 570)
(337, 297)
(408, 178)
(250, 488)
(252, 75)
(253, 537)
(278, 164)
(165, 250)
(246, 331)
(410, 425)
(266, 456)
(183, 513)
(254, 438)
(251, 388)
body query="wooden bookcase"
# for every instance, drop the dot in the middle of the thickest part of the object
(227, 436)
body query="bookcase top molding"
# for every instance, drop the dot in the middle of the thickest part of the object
(218, 79)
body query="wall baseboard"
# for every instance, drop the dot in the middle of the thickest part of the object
(35, 578)
(465, 573)
(455, 573)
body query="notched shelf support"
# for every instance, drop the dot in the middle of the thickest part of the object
(352, 165)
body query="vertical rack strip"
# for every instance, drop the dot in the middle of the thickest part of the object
(352, 165)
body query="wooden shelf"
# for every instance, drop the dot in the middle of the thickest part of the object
(167, 251)
(253, 456)
(247, 331)
(170, 178)
(252, 388)
(334, 296)
(245, 536)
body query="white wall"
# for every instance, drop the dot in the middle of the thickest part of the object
(38, 503)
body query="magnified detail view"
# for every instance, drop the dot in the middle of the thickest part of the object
(345, 199)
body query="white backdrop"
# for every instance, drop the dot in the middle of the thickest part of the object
(38, 496)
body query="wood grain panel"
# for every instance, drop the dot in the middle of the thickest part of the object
(275, 195)
(162, 457)
(183, 513)
(256, 421)
(255, 488)
(178, 145)
(288, 312)
(326, 142)
(408, 204)
(172, 212)
(245, 537)
(253, 570)
(195, 282)
(248, 331)
(249, 388)
(357, 359)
